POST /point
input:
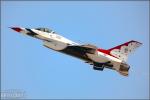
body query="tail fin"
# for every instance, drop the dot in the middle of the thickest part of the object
(122, 51)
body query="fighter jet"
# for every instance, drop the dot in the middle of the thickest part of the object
(114, 58)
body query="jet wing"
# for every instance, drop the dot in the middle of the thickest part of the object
(87, 48)
(80, 51)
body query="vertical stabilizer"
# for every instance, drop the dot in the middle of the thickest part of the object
(122, 51)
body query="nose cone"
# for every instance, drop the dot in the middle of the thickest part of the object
(17, 29)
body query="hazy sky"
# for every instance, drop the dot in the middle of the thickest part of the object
(42, 73)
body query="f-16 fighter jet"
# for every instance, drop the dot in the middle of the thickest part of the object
(114, 58)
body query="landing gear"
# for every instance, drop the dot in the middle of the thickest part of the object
(98, 66)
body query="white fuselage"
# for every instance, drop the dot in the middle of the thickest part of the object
(53, 37)
(58, 42)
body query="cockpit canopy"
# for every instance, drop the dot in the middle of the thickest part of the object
(45, 30)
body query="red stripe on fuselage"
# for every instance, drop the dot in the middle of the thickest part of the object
(106, 52)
